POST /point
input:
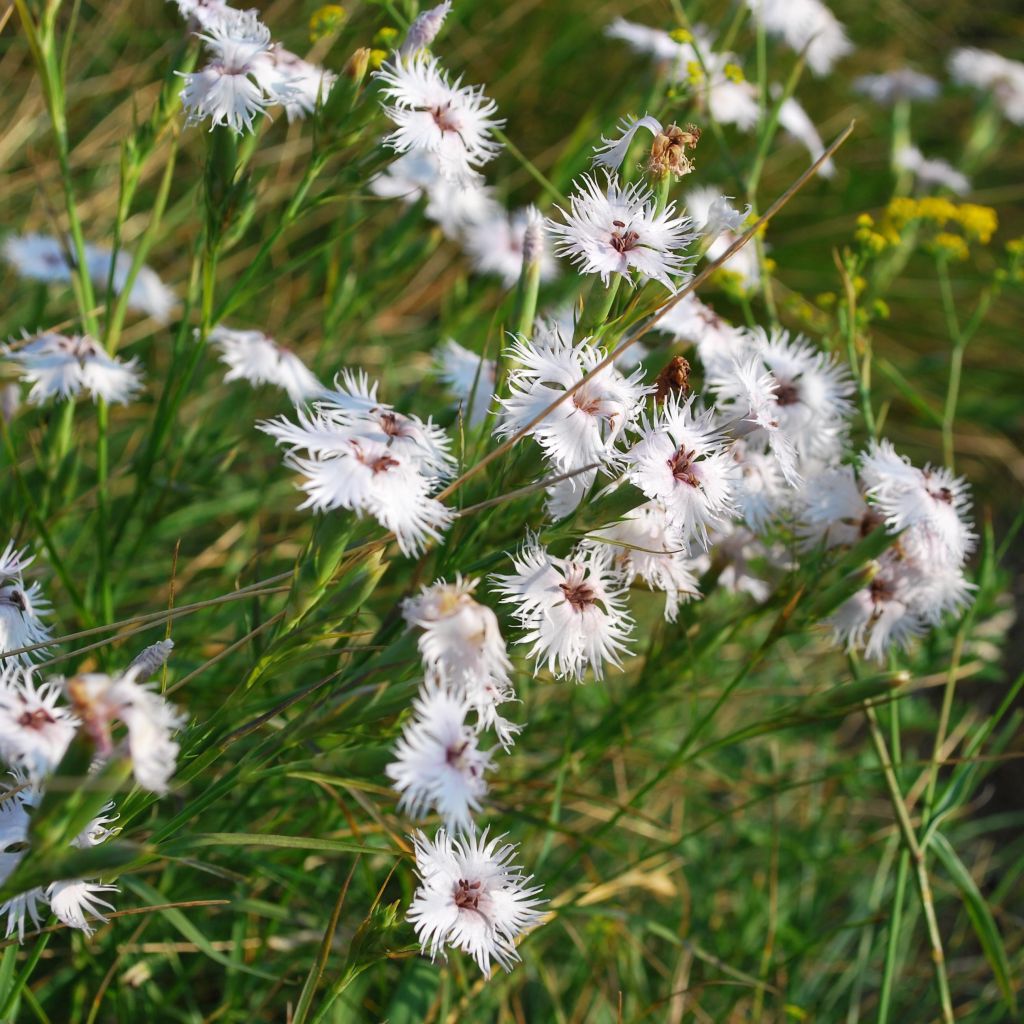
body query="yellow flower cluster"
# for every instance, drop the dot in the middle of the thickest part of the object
(936, 214)
(325, 20)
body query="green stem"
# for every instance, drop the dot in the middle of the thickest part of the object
(912, 847)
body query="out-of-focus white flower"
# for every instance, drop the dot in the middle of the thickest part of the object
(931, 171)
(453, 206)
(712, 214)
(252, 356)
(461, 644)
(58, 366)
(584, 429)
(207, 13)
(682, 462)
(806, 26)
(717, 341)
(762, 490)
(437, 761)
(794, 120)
(367, 458)
(892, 86)
(700, 203)
(831, 508)
(34, 729)
(728, 101)
(652, 42)
(21, 607)
(240, 81)
(301, 83)
(452, 122)
(470, 377)
(472, 897)
(574, 609)
(423, 31)
(647, 545)
(44, 258)
(99, 700)
(618, 231)
(495, 244)
(994, 74)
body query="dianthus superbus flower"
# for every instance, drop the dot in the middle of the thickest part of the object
(470, 377)
(928, 171)
(257, 358)
(58, 366)
(645, 544)
(892, 86)
(452, 122)
(438, 765)
(462, 646)
(45, 258)
(573, 609)
(99, 700)
(34, 729)
(617, 230)
(682, 462)
(241, 79)
(584, 429)
(496, 244)
(807, 27)
(21, 607)
(992, 74)
(472, 897)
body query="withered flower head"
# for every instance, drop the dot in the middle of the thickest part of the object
(668, 151)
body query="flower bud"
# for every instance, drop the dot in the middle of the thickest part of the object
(423, 31)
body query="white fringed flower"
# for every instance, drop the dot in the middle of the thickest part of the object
(930, 502)
(35, 730)
(472, 897)
(495, 244)
(574, 609)
(452, 122)
(365, 457)
(438, 765)
(646, 544)
(992, 74)
(61, 367)
(893, 86)
(252, 356)
(99, 700)
(462, 646)
(71, 900)
(471, 378)
(789, 396)
(240, 81)
(928, 172)
(618, 231)
(682, 462)
(584, 429)
(44, 258)
(21, 607)
(806, 26)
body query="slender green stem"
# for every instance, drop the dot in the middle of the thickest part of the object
(912, 847)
